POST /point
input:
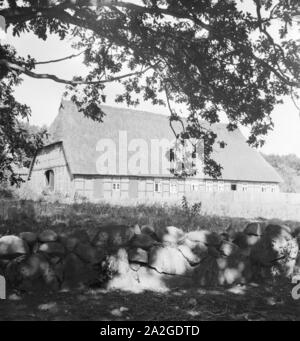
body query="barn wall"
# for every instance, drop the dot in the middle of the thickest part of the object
(51, 158)
(158, 189)
(95, 188)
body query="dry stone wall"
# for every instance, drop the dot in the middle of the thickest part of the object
(134, 258)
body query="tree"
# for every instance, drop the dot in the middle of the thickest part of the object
(207, 54)
(288, 166)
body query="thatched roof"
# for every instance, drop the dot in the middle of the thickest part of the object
(80, 136)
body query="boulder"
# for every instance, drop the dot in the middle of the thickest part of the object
(276, 252)
(74, 272)
(12, 273)
(101, 239)
(138, 255)
(12, 246)
(3, 265)
(245, 241)
(120, 275)
(70, 241)
(230, 270)
(81, 235)
(297, 265)
(120, 235)
(29, 237)
(212, 251)
(234, 269)
(52, 249)
(170, 235)
(227, 248)
(55, 259)
(188, 254)
(275, 230)
(207, 272)
(168, 260)
(136, 229)
(116, 264)
(204, 237)
(112, 236)
(88, 253)
(31, 272)
(142, 241)
(48, 236)
(135, 266)
(48, 274)
(254, 229)
(149, 230)
(150, 280)
(198, 248)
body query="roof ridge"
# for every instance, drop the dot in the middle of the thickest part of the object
(144, 112)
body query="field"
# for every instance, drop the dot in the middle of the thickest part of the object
(251, 302)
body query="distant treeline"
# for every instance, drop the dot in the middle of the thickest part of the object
(288, 166)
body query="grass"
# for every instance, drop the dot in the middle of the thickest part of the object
(35, 216)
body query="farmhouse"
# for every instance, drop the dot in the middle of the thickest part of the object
(125, 157)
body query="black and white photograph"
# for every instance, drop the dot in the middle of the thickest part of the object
(149, 163)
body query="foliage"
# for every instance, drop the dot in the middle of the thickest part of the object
(288, 166)
(6, 192)
(211, 56)
(191, 212)
(16, 141)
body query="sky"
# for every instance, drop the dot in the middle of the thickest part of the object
(44, 96)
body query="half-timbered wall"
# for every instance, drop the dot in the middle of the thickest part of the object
(102, 188)
(51, 158)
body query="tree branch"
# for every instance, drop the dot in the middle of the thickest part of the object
(23, 14)
(60, 59)
(22, 69)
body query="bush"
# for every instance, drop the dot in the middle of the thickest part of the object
(6, 193)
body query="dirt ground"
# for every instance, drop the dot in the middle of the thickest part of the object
(244, 303)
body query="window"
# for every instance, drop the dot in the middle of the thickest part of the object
(194, 153)
(172, 155)
(116, 186)
(221, 186)
(244, 188)
(264, 189)
(194, 187)
(233, 187)
(49, 174)
(201, 186)
(173, 188)
(209, 186)
(157, 187)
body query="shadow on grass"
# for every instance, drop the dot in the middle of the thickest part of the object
(251, 302)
